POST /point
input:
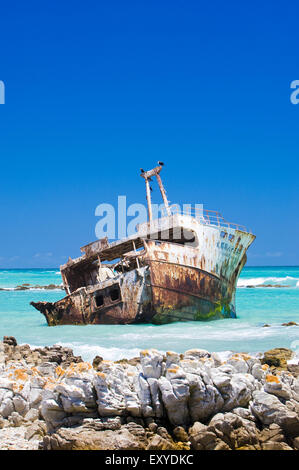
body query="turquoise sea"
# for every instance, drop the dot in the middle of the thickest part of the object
(255, 307)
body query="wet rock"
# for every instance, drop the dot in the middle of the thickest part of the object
(290, 323)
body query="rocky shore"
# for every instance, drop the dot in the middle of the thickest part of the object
(51, 399)
(31, 287)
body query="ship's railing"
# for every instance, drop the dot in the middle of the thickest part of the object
(206, 217)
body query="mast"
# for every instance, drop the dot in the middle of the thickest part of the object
(147, 176)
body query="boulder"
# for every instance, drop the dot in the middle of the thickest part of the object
(277, 357)
(235, 431)
(151, 363)
(273, 433)
(159, 443)
(36, 431)
(86, 439)
(275, 386)
(268, 409)
(180, 434)
(175, 393)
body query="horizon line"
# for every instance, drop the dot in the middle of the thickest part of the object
(253, 266)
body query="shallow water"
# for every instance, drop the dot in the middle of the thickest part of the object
(255, 307)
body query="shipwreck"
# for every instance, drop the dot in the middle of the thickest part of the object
(181, 266)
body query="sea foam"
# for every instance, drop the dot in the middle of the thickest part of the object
(286, 281)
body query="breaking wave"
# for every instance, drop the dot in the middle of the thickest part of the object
(88, 352)
(286, 281)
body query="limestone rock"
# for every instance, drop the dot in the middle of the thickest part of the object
(151, 363)
(276, 387)
(175, 394)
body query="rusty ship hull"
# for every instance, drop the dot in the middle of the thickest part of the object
(163, 276)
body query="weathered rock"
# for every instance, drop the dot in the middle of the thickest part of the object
(273, 433)
(244, 413)
(56, 353)
(273, 445)
(84, 439)
(32, 415)
(175, 394)
(159, 443)
(296, 443)
(151, 363)
(268, 409)
(10, 340)
(277, 357)
(207, 440)
(140, 400)
(15, 419)
(235, 431)
(180, 434)
(97, 360)
(197, 428)
(197, 353)
(37, 430)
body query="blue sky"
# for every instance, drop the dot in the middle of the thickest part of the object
(95, 90)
